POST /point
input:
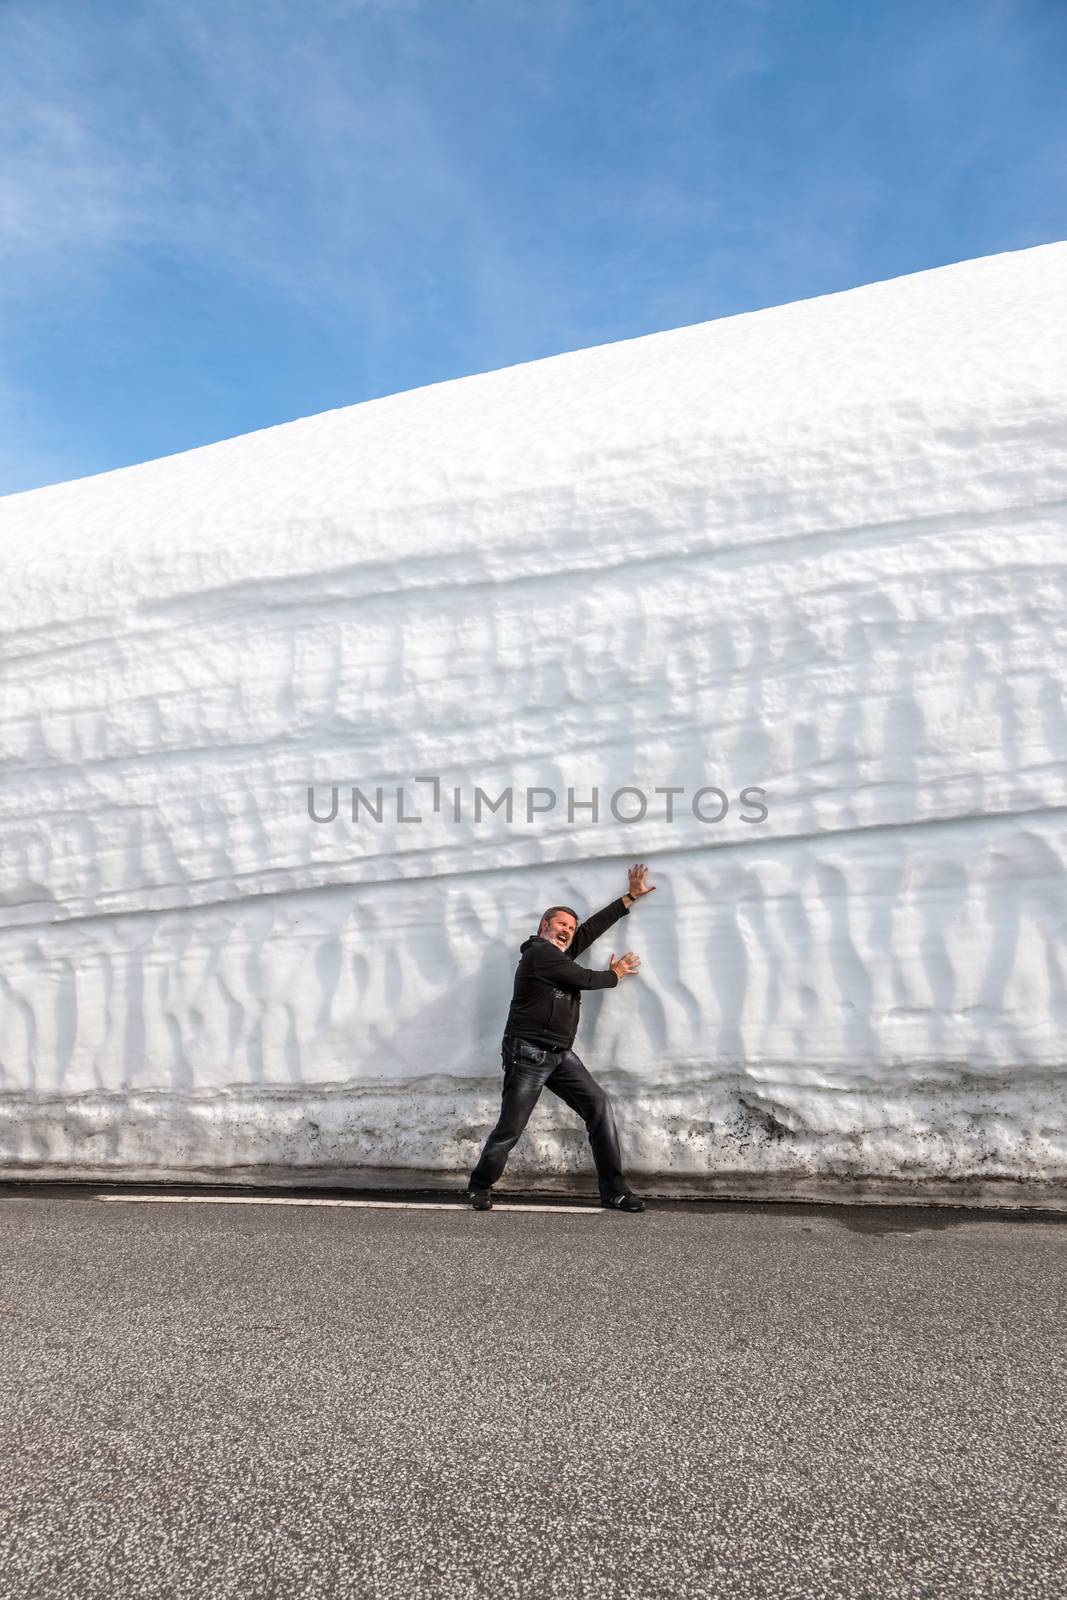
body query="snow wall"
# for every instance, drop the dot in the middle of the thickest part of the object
(816, 551)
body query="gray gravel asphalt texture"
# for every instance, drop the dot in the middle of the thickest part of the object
(702, 1400)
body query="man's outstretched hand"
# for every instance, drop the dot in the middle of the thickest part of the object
(625, 964)
(630, 963)
(638, 886)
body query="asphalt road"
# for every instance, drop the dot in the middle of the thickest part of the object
(703, 1400)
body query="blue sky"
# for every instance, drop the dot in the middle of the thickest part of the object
(222, 214)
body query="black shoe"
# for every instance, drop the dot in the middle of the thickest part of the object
(624, 1202)
(480, 1199)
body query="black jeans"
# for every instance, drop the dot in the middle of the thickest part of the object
(529, 1068)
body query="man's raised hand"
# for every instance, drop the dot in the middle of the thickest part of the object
(625, 964)
(638, 886)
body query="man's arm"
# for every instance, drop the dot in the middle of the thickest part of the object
(559, 970)
(600, 921)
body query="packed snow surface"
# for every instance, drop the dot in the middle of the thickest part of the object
(815, 551)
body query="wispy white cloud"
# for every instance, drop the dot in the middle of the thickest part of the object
(61, 185)
(313, 153)
(450, 185)
(232, 135)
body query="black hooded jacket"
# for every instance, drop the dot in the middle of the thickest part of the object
(548, 982)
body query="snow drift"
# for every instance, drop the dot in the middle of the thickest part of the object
(815, 551)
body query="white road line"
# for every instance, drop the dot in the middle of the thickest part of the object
(291, 1200)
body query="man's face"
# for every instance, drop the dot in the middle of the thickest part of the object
(560, 929)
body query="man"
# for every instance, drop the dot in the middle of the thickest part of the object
(536, 1048)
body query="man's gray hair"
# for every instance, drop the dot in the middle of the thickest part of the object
(551, 913)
